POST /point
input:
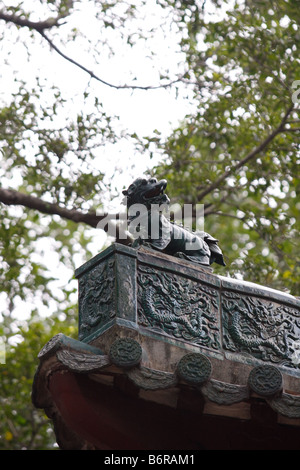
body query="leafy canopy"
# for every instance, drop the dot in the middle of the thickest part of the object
(237, 152)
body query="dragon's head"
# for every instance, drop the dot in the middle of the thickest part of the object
(146, 192)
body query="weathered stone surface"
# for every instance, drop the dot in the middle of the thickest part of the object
(82, 362)
(63, 342)
(287, 405)
(225, 393)
(150, 379)
(179, 302)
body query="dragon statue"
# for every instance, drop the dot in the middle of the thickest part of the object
(145, 200)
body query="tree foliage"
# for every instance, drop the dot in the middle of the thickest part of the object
(237, 152)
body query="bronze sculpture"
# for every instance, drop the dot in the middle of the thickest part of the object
(146, 201)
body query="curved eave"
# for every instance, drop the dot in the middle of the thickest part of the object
(97, 403)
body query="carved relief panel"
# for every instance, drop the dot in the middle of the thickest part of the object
(164, 296)
(178, 306)
(264, 329)
(96, 297)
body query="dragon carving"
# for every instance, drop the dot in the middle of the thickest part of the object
(258, 328)
(178, 307)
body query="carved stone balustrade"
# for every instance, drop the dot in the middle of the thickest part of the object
(161, 338)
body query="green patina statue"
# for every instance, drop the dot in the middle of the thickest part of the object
(146, 203)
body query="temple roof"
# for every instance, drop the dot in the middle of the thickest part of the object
(171, 356)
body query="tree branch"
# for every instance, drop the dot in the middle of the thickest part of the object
(291, 129)
(254, 153)
(232, 216)
(41, 26)
(36, 25)
(111, 85)
(13, 197)
(24, 22)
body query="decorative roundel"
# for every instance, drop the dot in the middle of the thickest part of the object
(265, 380)
(125, 352)
(194, 368)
